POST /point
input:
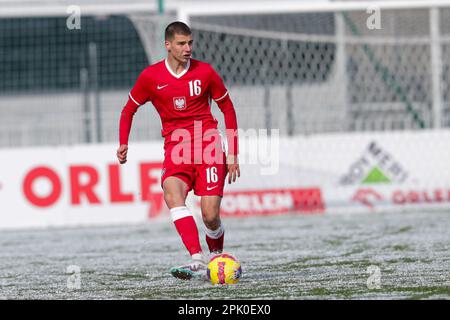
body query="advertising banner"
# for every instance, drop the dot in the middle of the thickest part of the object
(338, 173)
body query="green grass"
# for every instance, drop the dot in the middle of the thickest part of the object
(283, 257)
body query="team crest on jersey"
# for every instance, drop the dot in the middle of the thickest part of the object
(179, 103)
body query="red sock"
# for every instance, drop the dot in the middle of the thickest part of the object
(187, 229)
(214, 239)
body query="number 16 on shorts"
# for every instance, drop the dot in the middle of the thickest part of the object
(212, 180)
(211, 175)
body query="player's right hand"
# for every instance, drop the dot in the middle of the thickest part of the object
(122, 153)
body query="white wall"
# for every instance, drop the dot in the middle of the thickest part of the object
(308, 175)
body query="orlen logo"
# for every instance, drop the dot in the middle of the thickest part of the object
(83, 179)
(367, 197)
(274, 201)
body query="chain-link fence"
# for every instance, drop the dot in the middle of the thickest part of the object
(301, 73)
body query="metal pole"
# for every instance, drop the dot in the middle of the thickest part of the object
(290, 110)
(94, 88)
(290, 120)
(162, 27)
(266, 102)
(341, 72)
(84, 84)
(160, 7)
(436, 66)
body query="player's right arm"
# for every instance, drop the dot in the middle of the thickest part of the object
(138, 95)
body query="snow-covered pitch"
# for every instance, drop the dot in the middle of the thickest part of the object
(379, 256)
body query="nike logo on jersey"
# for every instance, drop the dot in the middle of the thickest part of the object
(160, 87)
(210, 188)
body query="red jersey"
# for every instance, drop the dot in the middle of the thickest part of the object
(180, 99)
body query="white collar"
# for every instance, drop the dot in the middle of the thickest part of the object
(188, 64)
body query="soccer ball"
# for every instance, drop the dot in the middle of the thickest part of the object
(224, 269)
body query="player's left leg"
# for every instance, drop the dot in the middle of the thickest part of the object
(209, 185)
(215, 232)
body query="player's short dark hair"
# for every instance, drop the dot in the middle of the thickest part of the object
(177, 27)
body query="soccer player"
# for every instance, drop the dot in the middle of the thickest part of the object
(181, 89)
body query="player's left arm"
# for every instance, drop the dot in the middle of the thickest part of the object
(221, 96)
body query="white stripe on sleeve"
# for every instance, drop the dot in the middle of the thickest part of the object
(216, 100)
(129, 94)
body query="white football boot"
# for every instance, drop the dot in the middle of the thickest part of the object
(193, 270)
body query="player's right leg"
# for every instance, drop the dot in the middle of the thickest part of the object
(175, 192)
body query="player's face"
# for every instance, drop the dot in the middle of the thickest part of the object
(180, 47)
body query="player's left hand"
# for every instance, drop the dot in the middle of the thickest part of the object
(233, 168)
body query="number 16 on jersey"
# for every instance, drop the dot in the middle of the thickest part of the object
(194, 88)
